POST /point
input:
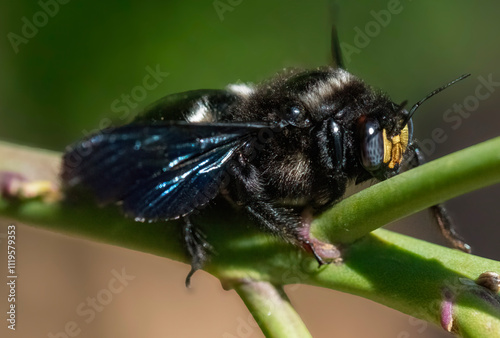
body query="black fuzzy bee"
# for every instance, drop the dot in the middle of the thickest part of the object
(280, 150)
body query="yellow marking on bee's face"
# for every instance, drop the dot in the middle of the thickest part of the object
(395, 147)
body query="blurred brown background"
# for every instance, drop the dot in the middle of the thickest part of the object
(65, 80)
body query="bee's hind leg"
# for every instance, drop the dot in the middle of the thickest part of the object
(197, 246)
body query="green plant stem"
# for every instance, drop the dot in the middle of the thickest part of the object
(413, 277)
(406, 274)
(272, 310)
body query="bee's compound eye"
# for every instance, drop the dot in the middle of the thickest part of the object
(372, 144)
(295, 115)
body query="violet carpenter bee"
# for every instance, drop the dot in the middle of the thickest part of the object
(279, 150)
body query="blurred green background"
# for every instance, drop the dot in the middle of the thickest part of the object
(64, 80)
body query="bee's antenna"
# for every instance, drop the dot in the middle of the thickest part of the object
(400, 111)
(336, 51)
(402, 105)
(434, 92)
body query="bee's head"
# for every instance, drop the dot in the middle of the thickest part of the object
(385, 136)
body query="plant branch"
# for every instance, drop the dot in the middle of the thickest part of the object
(272, 310)
(407, 274)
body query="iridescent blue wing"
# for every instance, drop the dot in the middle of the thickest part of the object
(160, 171)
